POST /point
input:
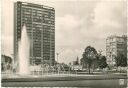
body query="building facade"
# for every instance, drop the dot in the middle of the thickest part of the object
(40, 24)
(115, 45)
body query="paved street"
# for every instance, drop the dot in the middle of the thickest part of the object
(89, 81)
(114, 83)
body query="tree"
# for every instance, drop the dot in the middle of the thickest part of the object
(7, 59)
(6, 62)
(89, 56)
(102, 62)
(2, 67)
(121, 60)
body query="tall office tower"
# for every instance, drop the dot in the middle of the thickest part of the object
(40, 24)
(115, 45)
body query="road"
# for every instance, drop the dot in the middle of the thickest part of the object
(86, 81)
(110, 83)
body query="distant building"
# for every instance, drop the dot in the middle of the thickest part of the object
(75, 65)
(76, 62)
(115, 45)
(40, 24)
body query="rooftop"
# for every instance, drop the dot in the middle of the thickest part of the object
(115, 36)
(36, 5)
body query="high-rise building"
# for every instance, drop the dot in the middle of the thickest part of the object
(40, 25)
(115, 45)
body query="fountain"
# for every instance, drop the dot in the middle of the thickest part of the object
(22, 67)
(23, 53)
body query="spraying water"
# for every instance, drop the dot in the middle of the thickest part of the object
(23, 53)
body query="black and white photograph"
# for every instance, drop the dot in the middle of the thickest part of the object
(64, 43)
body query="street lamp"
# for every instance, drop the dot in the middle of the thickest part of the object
(57, 56)
(58, 53)
(12, 62)
(58, 62)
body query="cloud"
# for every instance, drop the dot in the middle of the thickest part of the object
(110, 18)
(6, 26)
(68, 53)
(78, 24)
(67, 29)
(7, 45)
(78, 31)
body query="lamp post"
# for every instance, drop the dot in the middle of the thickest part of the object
(12, 65)
(58, 53)
(57, 56)
(57, 62)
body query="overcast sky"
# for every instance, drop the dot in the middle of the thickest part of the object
(79, 23)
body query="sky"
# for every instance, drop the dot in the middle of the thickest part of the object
(78, 23)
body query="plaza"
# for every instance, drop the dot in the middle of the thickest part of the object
(56, 45)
